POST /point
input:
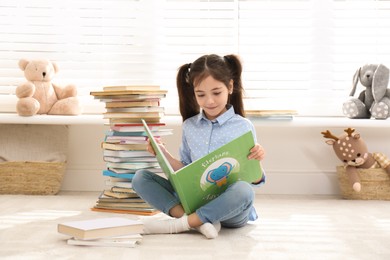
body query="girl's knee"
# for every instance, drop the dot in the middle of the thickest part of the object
(243, 192)
(140, 177)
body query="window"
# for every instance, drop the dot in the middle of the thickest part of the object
(298, 54)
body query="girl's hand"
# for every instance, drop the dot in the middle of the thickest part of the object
(150, 149)
(257, 152)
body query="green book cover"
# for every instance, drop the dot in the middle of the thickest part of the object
(206, 178)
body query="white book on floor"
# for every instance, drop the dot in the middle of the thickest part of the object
(122, 241)
(101, 228)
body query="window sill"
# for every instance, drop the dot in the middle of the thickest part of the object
(12, 118)
(300, 121)
(297, 121)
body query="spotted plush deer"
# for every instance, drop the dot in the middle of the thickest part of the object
(352, 151)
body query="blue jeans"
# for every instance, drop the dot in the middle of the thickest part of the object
(232, 209)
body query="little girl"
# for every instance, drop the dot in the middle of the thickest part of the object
(211, 105)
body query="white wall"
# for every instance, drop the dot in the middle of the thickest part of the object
(297, 162)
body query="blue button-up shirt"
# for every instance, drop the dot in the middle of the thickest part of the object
(201, 136)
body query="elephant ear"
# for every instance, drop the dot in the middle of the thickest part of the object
(355, 81)
(380, 82)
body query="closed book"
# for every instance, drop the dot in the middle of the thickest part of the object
(100, 228)
(117, 195)
(124, 147)
(132, 166)
(128, 92)
(129, 133)
(135, 110)
(131, 87)
(132, 103)
(130, 98)
(132, 153)
(141, 211)
(121, 205)
(122, 189)
(140, 139)
(125, 174)
(119, 182)
(139, 126)
(129, 159)
(133, 115)
(122, 241)
(121, 120)
(126, 198)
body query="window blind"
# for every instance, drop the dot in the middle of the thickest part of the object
(297, 54)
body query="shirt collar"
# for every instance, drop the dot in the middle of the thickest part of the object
(222, 118)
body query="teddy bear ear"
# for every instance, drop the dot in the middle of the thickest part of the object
(23, 64)
(55, 66)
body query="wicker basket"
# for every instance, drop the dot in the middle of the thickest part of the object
(31, 178)
(375, 184)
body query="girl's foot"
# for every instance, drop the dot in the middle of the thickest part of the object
(209, 230)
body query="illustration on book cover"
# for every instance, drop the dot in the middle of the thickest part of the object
(218, 172)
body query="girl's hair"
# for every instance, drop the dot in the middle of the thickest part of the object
(223, 69)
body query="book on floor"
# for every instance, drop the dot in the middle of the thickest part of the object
(206, 178)
(122, 241)
(140, 211)
(100, 228)
(118, 195)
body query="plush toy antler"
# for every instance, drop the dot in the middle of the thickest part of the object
(328, 134)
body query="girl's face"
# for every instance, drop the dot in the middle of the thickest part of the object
(212, 96)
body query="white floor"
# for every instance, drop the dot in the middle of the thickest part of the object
(290, 227)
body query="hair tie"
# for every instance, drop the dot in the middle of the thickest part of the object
(188, 73)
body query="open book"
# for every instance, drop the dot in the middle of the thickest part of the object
(206, 178)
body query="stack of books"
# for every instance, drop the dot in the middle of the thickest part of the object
(128, 104)
(113, 232)
(125, 144)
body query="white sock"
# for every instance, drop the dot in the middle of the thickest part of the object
(166, 226)
(210, 230)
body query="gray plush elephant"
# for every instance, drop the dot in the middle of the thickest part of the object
(374, 101)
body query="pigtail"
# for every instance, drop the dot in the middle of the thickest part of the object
(187, 101)
(236, 98)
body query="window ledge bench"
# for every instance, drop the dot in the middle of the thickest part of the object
(298, 161)
(297, 121)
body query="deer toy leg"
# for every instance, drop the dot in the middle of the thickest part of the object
(353, 178)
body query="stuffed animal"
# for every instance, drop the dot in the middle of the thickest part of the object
(352, 151)
(374, 101)
(40, 96)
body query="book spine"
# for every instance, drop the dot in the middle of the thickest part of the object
(179, 189)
